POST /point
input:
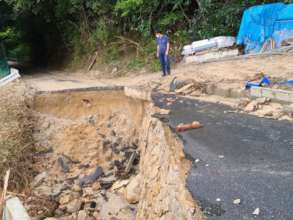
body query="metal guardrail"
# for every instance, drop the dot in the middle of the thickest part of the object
(14, 74)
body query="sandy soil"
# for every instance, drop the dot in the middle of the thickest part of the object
(232, 71)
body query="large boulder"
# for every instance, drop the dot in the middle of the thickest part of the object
(116, 207)
(132, 192)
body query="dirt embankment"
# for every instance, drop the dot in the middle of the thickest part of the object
(101, 155)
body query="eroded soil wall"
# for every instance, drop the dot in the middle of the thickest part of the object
(160, 179)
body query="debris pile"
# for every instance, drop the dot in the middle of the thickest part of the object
(264, 107)
(188, 87)
(88, 189)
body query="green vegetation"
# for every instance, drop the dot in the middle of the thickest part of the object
(45, 31)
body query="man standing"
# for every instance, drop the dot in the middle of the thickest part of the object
(163, 47)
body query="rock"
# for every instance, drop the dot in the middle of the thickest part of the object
(39, 179)
(107, 182)
(243, 102)
(285, 118)
(58, 189)
(50, 219)
(251, 107)
(263, 100)
(197, 160)
(69, 217)
(82, 215)
(64, 199)
(119, 184)
(177, 84)
(116, 208)
(132, 192)
(92, 120)
(43, 191)
(86, 180)
(63, 163)
(88, 191)
(58, 212)
(110, 178)
(265, 112)
(97, 216)
(196, 93)
(236, 201)
(288, 109)
(46, 125)
(74, 206)
(96, 186)
(75, 195)
(277, 114)
(256, 211)
(114, 70)
(162, 111)
(76, 188)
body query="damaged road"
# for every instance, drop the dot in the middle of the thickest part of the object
(236, 157)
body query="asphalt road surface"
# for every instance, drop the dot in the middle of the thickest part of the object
(236, 156)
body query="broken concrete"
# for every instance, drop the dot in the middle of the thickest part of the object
(14, 210)
(274, 94)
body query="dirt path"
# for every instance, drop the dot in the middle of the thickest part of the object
(226, 76)
(233, 72)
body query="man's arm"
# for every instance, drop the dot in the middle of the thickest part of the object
(158, 49)
(168, 48)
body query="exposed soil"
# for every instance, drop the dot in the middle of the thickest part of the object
(102, 156)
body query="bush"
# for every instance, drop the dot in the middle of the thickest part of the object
(16, 143)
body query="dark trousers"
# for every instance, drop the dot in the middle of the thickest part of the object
(165, 63)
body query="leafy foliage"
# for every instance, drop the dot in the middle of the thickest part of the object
(77, 28)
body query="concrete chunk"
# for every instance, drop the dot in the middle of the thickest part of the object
(14, 210)
(274, 94)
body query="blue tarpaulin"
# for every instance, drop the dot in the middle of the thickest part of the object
(265, 22)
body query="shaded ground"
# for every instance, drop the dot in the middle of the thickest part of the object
(240, 157)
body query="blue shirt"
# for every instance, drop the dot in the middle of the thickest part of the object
(162, 42)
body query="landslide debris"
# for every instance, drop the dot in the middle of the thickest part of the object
(101, 155)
